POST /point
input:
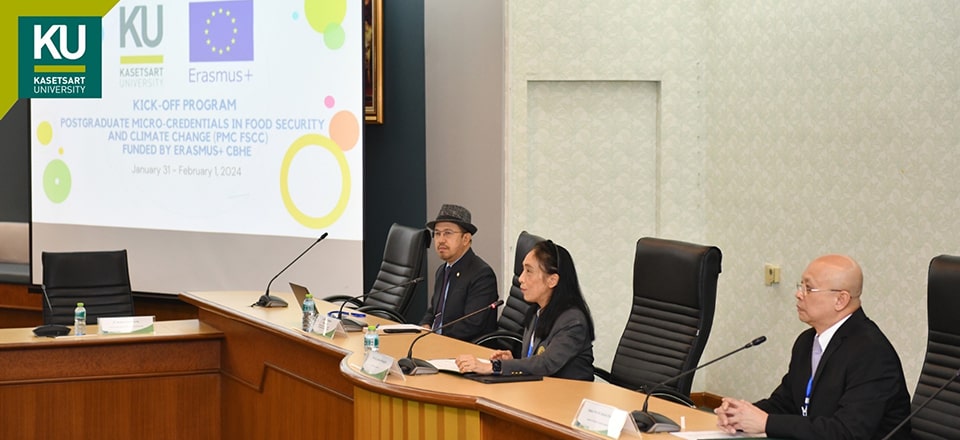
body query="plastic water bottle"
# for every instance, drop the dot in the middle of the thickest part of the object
(309, 312)
(80, 320)
(371, 340)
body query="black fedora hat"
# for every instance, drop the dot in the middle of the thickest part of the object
(454, 214)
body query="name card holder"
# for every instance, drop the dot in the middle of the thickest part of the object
(125, 325)
(603, 419)
(378, 366)
(328, 327)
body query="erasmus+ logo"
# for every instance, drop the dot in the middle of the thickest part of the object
(60, 57)
(221, 31)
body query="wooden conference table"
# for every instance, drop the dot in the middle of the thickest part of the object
(280, 382)
(250, 373)
(163, 385)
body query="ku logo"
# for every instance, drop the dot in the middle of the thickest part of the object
(44, 40)
(60, 57)
(138, 32)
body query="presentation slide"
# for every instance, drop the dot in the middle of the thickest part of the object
(227, 129)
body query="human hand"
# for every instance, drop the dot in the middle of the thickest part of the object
(501, 355)
(468, 363)
(739, 415)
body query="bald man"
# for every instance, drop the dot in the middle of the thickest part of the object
(858, 391)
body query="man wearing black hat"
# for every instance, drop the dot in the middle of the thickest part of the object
(464, 282)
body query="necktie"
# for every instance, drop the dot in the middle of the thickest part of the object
(815, 358)
(438, 320)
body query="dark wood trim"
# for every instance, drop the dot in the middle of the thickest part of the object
(706, 400)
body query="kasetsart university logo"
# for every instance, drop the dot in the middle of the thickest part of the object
(60, 57)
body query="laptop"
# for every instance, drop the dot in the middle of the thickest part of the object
(300, 292)
(350, 325)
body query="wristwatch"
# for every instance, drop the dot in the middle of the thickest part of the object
(497, 367)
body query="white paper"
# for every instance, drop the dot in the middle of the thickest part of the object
(450, 364)
(376, 364)
(125, 325)
(328, 327)
(603, 419)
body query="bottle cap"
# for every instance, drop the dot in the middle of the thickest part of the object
(372, 328)
(309, 295)
(80, 304)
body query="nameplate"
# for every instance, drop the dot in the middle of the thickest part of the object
(328, 327)
(378, 366)
(603, 419)
(125, 325)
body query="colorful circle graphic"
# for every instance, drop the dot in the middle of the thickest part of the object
(298, 215)
(345, 130)
(322, 13)
(44, 133)
(56, 181)
(334, 36)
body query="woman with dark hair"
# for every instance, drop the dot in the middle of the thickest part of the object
(558, 334)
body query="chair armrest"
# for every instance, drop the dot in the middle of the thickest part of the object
(337, 299)
(383, 312)
(602, 374)
(674, 396)
(502, 340)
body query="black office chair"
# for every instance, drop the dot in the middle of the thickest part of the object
(509, 334)
(674, 295)
(404, 259)
(98, 279)
(939, 420)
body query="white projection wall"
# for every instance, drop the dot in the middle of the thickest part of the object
(226, 141)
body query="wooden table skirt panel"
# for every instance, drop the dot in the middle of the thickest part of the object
(181, 407)
(277, 381)
(250, 349)
(91, 361)
(378, 416)
(164, 385)
(286, 407)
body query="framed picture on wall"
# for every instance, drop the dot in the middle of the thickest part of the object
(373, 61)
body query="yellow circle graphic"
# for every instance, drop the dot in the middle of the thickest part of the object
(298, 215)
(44, 132)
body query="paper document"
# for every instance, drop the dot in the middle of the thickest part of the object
(450, 364)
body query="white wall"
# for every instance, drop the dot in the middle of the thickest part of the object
(605, 137)
(833, 128)
(784, 130)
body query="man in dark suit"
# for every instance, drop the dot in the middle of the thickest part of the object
(858, 390)
(464, 282)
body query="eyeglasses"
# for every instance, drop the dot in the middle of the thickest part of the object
(445, 234)
(802, 288)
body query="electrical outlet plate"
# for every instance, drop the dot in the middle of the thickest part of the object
(771, 274)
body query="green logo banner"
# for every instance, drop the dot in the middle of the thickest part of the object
(60, 57)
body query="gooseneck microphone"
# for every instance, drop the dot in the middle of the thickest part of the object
(267, 300)
(412, 366)
(922, 405)
(653, 422)
(353, 325)
(50, 330)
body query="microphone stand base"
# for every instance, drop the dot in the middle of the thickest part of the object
(416, 367)
(653, 422)
(268, 301)
(352, 325)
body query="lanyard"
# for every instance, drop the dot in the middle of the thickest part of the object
(533, 335)
(806, 399)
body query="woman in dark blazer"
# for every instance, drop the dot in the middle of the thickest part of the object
(558, 334)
